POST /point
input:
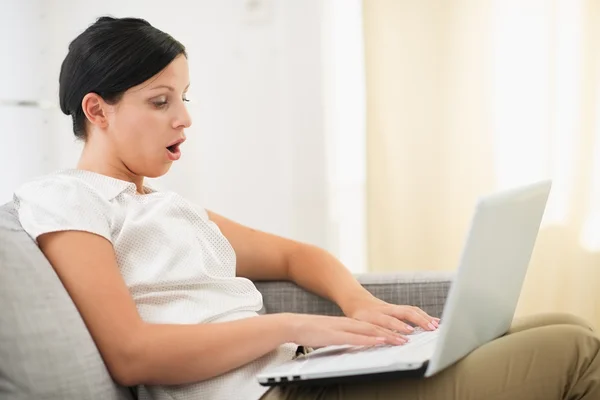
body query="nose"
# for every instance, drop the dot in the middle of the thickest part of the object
(183, 119)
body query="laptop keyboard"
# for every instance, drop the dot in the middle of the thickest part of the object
(418, 349)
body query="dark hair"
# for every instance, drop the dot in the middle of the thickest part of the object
(109, 57)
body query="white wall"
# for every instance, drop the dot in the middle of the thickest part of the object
(257, 149)
(24, 150)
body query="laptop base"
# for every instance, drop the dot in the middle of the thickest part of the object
(375, 377)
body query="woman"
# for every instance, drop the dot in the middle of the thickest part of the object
(165, 286)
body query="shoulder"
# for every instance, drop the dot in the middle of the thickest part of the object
(67, 200)
(72, 185)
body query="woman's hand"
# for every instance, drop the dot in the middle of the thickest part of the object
(319, 331)
(390, 316)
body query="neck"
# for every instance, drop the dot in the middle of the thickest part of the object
(104, 161)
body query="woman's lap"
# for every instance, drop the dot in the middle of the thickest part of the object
(538, 320)
(531, 360)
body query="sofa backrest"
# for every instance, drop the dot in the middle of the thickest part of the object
(46, 352)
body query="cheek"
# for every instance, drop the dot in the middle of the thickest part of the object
(136, 128)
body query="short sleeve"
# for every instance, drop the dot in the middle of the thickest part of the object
(61, 203)
(202, 212)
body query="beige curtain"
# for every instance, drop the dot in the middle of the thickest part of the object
(467, 97)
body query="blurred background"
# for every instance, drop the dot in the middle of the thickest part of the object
(368, 128)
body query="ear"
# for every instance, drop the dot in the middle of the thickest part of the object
(95, 109)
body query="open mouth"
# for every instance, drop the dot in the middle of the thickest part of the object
(174, 148)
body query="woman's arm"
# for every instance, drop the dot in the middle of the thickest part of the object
(136, 352)
(260, 256)
(265, 256)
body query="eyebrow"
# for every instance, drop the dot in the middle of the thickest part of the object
(168, 87)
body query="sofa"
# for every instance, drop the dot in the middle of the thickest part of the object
(46, 351)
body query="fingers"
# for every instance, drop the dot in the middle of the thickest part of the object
(423, 313)
(341, 338)
(433, 320)
(372, 330)
(318, 331)
(429, 318)
(416, 316)
(393, 324)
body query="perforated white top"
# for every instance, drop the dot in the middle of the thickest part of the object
(178, 266)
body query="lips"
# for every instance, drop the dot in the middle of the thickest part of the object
(173, 151)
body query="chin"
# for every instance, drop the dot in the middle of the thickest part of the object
(152, 170)
(157, 172)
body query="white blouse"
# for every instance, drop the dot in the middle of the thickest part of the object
(177, 264)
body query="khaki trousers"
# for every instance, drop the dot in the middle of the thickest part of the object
(545, 357)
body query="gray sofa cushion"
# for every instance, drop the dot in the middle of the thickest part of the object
(425, 289)
(46, 351)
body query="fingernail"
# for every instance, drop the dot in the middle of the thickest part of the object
(431, 326)
(435, 323)
(410, 328)
(401, 340)
(380, 339)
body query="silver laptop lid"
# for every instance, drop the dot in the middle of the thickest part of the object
(484, 295)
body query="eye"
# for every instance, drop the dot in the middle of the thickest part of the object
(160, 102)
(185, 99)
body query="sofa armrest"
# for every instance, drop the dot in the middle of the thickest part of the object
(425, 289)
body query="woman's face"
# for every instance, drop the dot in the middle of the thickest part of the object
(146, 127)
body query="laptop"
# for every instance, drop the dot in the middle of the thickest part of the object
(480, 306)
